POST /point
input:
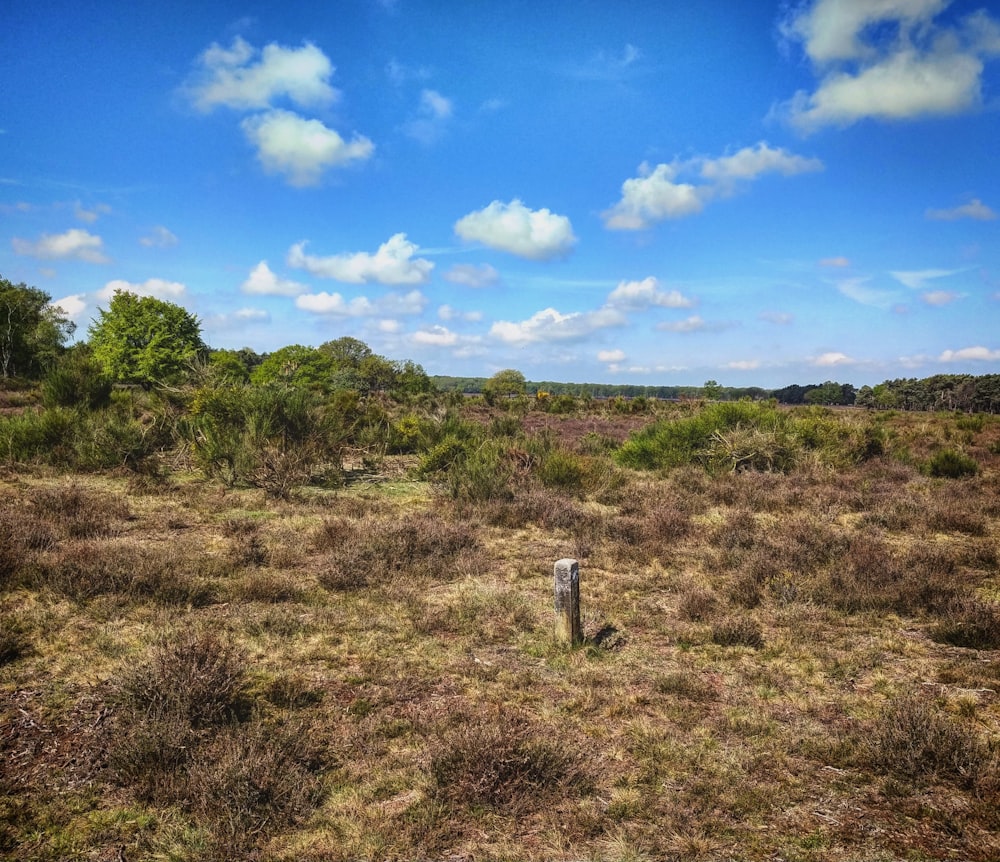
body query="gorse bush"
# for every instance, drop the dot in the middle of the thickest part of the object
(949, 464)
(271, 437)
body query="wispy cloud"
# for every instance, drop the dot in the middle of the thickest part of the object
(974, 209)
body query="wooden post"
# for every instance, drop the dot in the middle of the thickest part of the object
(567, 588)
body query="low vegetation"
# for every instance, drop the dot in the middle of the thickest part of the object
(282, 620)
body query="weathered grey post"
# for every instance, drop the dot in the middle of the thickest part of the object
(567, 578)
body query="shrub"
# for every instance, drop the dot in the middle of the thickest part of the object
(913, 741)
(738, 631)
(38, 436)
(191, 675)
(77, 381)
(504, 765)
(251, 781)
(697, 605)
(969, 622)
(419, 546)
(949, 464)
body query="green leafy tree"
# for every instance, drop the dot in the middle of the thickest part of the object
(33, 333)
(296, 365)
(508, 383)
(712, 390)
(145, 340)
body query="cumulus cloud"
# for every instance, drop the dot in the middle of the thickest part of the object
(551, 325)
(72, 306)
(614, 356)
(639, 295)
(433, 113)
(155, 287)
(889, 60)
(471, 275)
(336, 305)
(436, 336)
(393, 263)
(743, 365)
(74, 244)
(244, 78)
(832, 359)
(974, 209)
(970, 354)
(660, 193)
(238, 318)
(264, 282)
(301, 149)
(159, 237)
(513, 228)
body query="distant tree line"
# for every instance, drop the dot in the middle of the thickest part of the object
(147, 342)
(963, 392)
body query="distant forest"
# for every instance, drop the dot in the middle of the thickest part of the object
(963, 392)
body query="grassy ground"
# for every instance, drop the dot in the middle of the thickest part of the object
(796, 666)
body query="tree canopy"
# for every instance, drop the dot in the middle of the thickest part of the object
(33, 333)
(144, 340)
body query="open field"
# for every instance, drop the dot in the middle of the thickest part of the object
(792, 647)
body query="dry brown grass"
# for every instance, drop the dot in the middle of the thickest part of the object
(798, 666)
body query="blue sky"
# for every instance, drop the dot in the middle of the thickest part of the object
(760, 193)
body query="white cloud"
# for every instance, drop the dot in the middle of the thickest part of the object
(159, 237)
(743, 365)
(389, 326)
(657, 194)
(751, 162)
(690, 324)
(264, 282)
(653, 196)
(251, 314)
(301, 149)
(533, 234)
(639, 295)
(430, 121)
(614, 356)
(888, 59)
(241, 77)
(917, 279)
(550, 325)
(832, 360)
(393, 263)
(336, 305)
(74, 244)
(779, 318)
(974, 209)
(836, 262)
(471, 275)
(940, 297)
(973, 354)
(437, 336)
(73, 306)
(858, 290)
(91, 215)
(446, 312)
(156, 287)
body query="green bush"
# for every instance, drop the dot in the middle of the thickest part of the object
(39, 436)
(690, 439)
(77, 381)
(949, 464)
